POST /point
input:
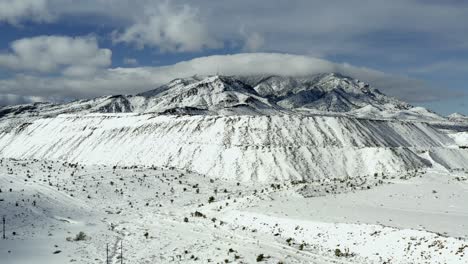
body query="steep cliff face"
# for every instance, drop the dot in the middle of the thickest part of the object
(260, 148)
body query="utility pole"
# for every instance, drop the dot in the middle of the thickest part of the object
(3, 218)
(107, 253)
(121, 251)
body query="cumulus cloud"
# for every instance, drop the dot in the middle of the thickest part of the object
(139, 79)
(170, 28)
(322, 28)
(16, 11)
(72, 56)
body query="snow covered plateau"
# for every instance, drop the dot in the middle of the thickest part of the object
(235, 169)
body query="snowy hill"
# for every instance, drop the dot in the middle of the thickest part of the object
(260, 148)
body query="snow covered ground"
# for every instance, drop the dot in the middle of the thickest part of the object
(168, 216)
(273, 169)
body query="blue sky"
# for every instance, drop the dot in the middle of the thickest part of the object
(53, 50)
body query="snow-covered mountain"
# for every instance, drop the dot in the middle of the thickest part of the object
(263, 128)
(240, 95)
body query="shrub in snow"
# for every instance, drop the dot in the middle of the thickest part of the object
(260, 257)
(211, 199)
(346, 253)
(301, 246)
(198, 214)
(81, 236)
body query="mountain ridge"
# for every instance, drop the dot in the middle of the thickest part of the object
(320, 94)
(328, 92)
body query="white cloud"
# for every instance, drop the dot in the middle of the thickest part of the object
(139, 79)
(71, 56)
(322, 28)
(15, 11)
(170, 28)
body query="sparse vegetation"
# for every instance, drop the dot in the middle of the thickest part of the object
(211, 199)
(260, 258)
(344, 253)
(81, 236)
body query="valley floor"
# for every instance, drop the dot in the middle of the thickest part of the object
(160, 215)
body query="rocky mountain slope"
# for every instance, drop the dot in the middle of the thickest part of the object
(324, 92)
